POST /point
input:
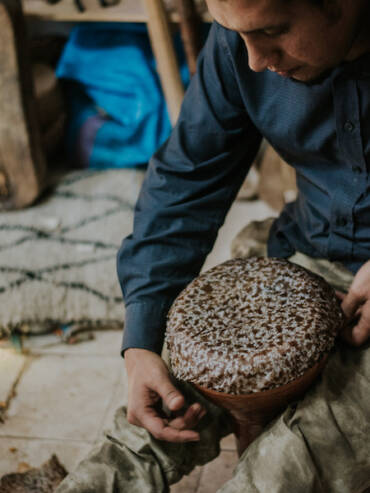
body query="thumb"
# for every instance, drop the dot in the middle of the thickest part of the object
(360, 332)
(350, 304)
(171, 397)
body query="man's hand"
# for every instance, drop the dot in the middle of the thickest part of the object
(149, 383)
(356, 307)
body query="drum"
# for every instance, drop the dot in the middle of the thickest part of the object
(252, 335)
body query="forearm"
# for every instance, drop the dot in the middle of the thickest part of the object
(189, 187)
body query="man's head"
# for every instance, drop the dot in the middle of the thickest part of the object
(301, 39)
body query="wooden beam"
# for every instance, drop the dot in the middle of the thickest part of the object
(66, 11)
(22, 163)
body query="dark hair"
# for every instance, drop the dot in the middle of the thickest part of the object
(319, 3)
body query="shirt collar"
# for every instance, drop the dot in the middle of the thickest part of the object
(359, 67)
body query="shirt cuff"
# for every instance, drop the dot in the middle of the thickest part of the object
(145, 325)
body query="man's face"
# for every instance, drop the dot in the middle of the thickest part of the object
(292, 37)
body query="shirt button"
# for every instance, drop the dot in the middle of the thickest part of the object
(341, 221)
(356, 169)
(349, 126)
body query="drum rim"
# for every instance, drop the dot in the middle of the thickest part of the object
(296, 384)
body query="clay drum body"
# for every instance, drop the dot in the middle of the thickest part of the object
(252, 335)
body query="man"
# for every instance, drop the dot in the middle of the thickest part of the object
(296, 72)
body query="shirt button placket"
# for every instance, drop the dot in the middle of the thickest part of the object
(349, 126)
(341, 222)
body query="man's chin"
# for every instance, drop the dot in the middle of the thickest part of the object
(310, 77)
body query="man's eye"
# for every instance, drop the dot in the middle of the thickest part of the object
(273, 33)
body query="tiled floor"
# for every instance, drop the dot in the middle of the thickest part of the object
(59, 399)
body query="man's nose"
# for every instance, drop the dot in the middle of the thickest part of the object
(261, 56)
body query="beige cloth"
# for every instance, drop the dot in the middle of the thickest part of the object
(252, 242)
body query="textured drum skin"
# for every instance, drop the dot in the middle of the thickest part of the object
(251, 324)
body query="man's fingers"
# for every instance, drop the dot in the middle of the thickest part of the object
(350, 304)
(346, 334)
(360, 334)
(359, 331)
(161, 430)
(150, 392)
(357, 335)
(340, 295)
(171, 397)
(190, 419)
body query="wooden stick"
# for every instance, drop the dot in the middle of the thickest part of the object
(190, 32)
(164, 53)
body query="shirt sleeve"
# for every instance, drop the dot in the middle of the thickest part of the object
(189, 186)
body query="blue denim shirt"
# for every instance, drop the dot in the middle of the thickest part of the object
(322, 129)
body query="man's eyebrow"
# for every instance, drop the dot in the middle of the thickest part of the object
(260, 29)
(265, 28)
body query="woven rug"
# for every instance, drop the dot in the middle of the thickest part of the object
(58, 258)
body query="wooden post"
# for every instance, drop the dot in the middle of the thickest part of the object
(190, 32)
(164, 52)
(22, 164)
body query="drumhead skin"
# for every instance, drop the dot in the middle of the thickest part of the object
(249, 325)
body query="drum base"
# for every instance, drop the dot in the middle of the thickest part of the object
(250, 413)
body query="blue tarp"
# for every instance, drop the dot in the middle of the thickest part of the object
(117, 112)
